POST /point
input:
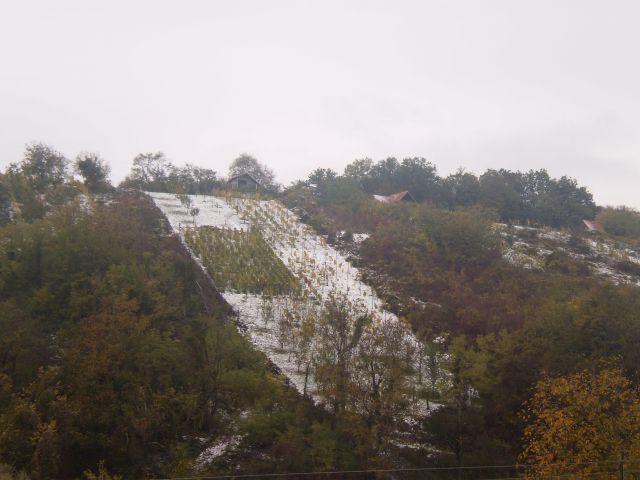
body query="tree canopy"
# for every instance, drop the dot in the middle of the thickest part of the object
(580, 423)
(94, 170)
(154, 172)
(43, 166)
(622, 221)
(516, 197)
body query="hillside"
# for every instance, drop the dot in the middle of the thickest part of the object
(588, 254)
(117, 352)
(284, 326)
(243, 243)
(513, 303)
(190, 331)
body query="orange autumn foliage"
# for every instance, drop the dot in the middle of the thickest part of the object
(579, 424)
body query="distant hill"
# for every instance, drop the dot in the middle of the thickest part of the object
(198, 331)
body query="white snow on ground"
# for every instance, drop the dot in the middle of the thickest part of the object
(360, 237)
(265, 338)
(216, 450)
(357, 237)
(215, 212)
(322, 270)
(554, 235)
(527, 249)
(212, 211)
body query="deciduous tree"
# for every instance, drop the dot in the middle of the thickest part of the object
(94, 170)
(578, 424)
(43, 166)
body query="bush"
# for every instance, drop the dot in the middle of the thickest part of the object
(623, 222)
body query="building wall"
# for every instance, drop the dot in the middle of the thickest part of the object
(243, 183)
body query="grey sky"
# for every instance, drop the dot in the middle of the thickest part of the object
(301, 84)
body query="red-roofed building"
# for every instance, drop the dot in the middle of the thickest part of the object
(593, 226)
(395, 197)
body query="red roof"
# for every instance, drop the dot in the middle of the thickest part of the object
(593, 226)
(395, 197)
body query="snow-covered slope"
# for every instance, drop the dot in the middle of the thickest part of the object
(322, 271)
(596, 254)
(211, 211)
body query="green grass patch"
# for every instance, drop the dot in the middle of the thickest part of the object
(241, 260)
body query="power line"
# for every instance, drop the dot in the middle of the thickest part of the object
(559, 476)
(416, 469)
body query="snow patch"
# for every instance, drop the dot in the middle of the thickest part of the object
(216, 450)
(323, 271)
(360, 237)
(264, 336)
(212, 211)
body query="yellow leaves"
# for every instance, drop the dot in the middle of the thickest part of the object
(578, 422)
(103, 474)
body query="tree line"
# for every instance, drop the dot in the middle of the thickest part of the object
(532, 197)
(154, 172)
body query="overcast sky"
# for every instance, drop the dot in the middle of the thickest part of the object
(300, 84)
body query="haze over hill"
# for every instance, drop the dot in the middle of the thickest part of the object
(517, 85)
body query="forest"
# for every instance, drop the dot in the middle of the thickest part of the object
(118, 358)
(525, 342)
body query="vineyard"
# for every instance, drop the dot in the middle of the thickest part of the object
(240, 261)
(306, 308)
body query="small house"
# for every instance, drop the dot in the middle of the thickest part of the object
(593, 226)
(395, 197)
(243, 182)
